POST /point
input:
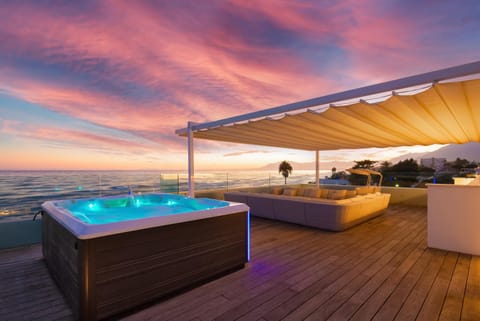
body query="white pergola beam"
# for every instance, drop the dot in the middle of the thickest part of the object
(191, 168)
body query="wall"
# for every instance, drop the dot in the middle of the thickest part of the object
(20, 233)
(407, 195)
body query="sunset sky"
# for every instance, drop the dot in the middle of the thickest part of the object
(104, 84)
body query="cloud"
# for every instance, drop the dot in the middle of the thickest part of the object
(248, 152)
(390, 40)
(141, 60)
(70, 138)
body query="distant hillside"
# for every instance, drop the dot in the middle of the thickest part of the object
(469, 151)
(310, 166)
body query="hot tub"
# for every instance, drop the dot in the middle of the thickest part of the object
(109, 255)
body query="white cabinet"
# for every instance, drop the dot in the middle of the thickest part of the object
(454, 217)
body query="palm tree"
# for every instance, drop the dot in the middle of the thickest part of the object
(334, 170)
(366, 163)
(286, 169)
(385, 166)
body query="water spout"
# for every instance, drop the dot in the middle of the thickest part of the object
(131, 196)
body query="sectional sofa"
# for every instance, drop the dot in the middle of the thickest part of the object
(328, 209)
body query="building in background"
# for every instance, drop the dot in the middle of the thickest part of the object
(436, 163)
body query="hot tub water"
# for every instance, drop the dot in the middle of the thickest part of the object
(133, 207)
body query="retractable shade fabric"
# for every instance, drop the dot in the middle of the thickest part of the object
(442, 114)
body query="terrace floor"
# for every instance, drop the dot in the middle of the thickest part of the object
(380, 270)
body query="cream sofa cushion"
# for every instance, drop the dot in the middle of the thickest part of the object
(310, 192)
(364, 190)
(323, 193)
(336, 194)
(351, 193)
(277, 190)
(313, 193)
(290, 191)
(300, 191)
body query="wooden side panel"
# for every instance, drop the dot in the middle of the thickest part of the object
(60, 250)
(137, 267)
(104, 276)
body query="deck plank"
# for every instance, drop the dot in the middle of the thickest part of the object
(471, 302)
(26, 290)
(365, 280)
(256, 281)
(432, 307)
(351, 278)
(452, 307)
(379, 270)
(414, 302)
(392, 305)
(352, 257)
(375, 302)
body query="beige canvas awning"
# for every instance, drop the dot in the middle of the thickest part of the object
(445, 113)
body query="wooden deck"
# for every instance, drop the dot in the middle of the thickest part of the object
(380, 270)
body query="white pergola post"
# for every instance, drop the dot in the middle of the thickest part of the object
(317, 168)
(191, 175)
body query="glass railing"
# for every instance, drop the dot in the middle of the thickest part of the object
(22, 192)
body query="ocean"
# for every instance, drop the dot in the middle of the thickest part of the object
(22, 192)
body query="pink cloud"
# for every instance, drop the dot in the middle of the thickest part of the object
(387, 41)
(75, 138)
(379, 39)
(108, 110)
(150, 53)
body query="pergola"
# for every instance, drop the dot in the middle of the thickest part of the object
(439, 107)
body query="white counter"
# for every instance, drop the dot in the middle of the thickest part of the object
(454, 217)
(463, 180)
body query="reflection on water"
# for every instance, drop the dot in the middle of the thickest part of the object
(22, 192)
(5, 212)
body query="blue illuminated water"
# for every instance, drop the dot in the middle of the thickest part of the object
(126, 208)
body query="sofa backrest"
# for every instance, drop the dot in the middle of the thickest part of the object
(325, 193)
